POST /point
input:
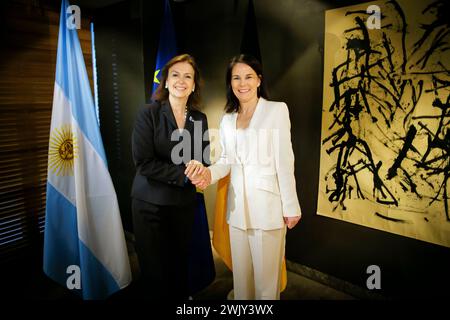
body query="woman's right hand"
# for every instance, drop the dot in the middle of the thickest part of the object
(203, 178)
(193, 167)
(199, 175)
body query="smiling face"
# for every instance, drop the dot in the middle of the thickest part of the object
(244, 82)
(180, 80)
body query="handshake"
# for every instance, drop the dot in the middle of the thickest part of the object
(199, 175)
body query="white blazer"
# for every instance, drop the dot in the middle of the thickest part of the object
(262, 183)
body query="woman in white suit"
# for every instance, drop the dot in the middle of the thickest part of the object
(262, 197)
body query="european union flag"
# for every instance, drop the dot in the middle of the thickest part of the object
(167, 48)
(201, 263)
(84, 242)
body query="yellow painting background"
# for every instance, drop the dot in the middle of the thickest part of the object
(413, 216)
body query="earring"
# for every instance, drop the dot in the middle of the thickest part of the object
(166, 86)
(193, 89)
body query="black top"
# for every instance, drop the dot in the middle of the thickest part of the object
(160, 162)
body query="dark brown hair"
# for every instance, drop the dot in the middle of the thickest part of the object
(162, 94)
(233, 102)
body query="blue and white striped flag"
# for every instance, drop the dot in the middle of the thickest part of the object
(83, 228)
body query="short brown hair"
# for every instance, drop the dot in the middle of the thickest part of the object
(162, 94)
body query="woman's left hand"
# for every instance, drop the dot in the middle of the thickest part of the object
(291, 221)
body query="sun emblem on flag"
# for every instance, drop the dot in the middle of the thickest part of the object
(62, 151)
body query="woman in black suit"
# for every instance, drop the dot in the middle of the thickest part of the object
(167, 133)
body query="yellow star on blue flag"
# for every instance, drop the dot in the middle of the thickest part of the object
(155, 76)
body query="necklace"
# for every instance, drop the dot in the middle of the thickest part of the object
(185, 116)
(185, 112)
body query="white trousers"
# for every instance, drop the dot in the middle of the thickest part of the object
(257, 258)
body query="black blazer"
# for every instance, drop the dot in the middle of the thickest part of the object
(159, 179)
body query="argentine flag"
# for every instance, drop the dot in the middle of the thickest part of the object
(84, 243)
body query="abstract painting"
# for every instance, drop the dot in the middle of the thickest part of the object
(385, 140)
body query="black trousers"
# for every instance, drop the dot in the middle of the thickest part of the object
(162, 240)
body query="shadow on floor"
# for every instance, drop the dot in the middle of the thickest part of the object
(26, 280)
(298, 287)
